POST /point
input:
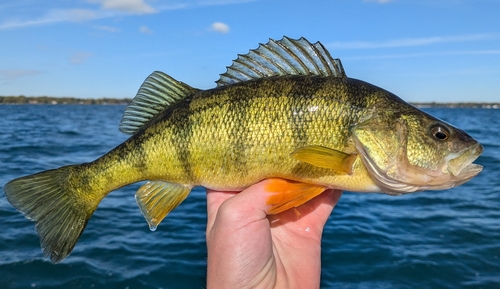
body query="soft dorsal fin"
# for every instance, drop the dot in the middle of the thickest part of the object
(158, 92)
(282, 57)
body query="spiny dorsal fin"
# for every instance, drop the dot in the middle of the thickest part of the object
(282, 57)
(158, 92)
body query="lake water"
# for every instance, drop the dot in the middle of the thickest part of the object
(435, 239)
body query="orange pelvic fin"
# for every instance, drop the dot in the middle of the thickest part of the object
(286, 194)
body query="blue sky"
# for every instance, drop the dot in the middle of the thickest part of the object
(421, 50)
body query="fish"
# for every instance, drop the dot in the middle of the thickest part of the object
(285, 111)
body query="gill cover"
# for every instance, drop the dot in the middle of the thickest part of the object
(382, 150)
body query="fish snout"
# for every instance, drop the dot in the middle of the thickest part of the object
(461, 166)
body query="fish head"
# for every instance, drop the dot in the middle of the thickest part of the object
(412, 151)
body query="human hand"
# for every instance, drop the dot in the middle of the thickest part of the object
(249, 249)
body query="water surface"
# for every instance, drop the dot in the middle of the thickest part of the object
(435, 239)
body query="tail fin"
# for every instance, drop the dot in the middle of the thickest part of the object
(51, 199)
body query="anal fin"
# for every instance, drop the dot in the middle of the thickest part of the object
(156, 199)
(286, 194)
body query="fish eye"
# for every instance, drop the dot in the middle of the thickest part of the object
(440, 132)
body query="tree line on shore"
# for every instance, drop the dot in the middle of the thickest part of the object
(60, 100)
(71, 100)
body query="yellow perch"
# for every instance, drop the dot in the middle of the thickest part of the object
(284, 110)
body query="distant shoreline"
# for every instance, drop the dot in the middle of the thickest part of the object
(490, 105)
(123, 101)
(61, 100)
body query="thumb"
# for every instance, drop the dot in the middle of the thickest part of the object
(246, 206)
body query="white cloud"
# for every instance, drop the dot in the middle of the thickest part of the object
(108, 28)
(145, 30)
(426, 54)
(11, 74)
(128, 6)
(80, 57)
(54, 16)
(220, 27)
(114, 8)
(189, 4)
(410, 42)
(223, 2)
(75, 15)
(110, 8)
(380, 1)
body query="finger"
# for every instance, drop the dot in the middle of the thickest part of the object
(237, 206)
(214, 200)
(239, 241)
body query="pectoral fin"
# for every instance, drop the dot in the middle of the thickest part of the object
(156, 199)
(286, 194)
(324, 157)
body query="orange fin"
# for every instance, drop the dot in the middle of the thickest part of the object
(156, 199)
(324, 157)
(286, 194)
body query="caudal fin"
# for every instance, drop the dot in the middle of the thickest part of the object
(50, 199)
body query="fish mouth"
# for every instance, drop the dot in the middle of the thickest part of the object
(461, 166)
